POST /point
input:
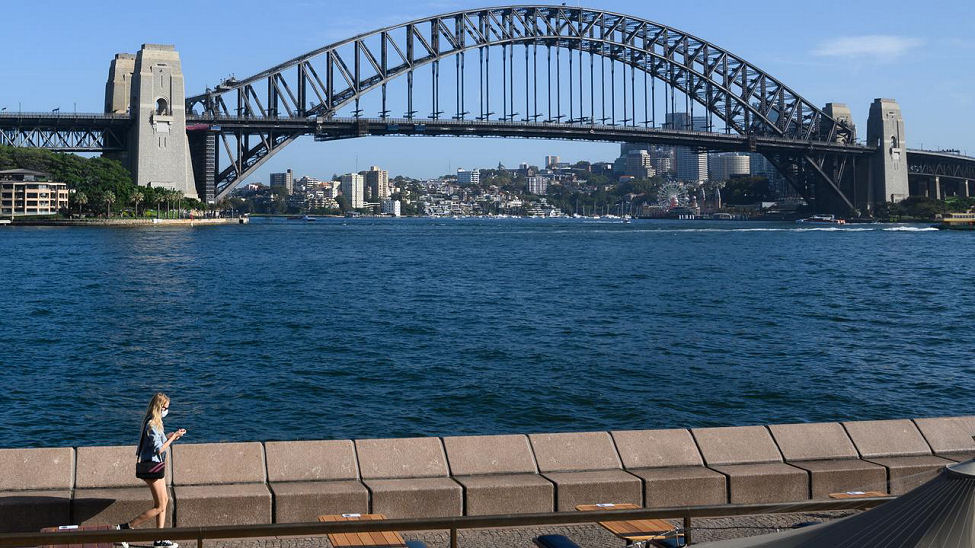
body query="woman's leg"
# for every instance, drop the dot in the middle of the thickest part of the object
(159, 500)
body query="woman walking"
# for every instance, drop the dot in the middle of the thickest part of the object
(151, 466)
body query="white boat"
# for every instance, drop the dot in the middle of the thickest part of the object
(822, 219)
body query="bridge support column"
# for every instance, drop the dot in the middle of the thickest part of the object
(963, 188)
(888, 166)
(158, 147)
(937, 188)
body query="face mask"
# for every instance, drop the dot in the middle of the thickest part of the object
(165, 412)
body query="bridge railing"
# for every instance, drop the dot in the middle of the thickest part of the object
(64, 115)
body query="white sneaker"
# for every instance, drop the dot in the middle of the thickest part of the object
(121, 544)
(165, 544)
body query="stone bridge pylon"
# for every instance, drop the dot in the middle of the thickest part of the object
(149, 87)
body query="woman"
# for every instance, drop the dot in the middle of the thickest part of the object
(151, 466)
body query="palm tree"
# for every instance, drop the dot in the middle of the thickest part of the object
(109, 199)
(179, 202)
(137, 197)
(81, 199)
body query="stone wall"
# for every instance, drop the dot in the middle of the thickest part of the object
(254, 482)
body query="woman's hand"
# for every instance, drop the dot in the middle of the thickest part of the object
(177, 434)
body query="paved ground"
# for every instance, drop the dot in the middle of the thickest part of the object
(586, 536)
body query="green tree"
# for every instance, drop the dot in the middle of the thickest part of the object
(137, 197)
(109, 198)
(81, 200)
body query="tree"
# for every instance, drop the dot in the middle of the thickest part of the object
(178, 195)
(137, 197)
(81, 199)
(109, 198)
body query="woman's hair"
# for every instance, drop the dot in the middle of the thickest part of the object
(154, 412)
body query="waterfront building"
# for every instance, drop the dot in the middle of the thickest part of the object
(26, 192)
(353, 188)
(391, 207)
(725, 166)
(537, 185)
(471, 177)
(283, 183)
(377, 181)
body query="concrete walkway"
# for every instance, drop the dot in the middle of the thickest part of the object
(586, 536)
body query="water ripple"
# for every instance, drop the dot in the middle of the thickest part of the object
(374, 328)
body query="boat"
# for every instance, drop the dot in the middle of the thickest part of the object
(306, 218)
(957, 221)
(722, 216)
(822, 219)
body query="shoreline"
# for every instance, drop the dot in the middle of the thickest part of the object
(129, 222)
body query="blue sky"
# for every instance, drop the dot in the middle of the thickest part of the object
(56, 54)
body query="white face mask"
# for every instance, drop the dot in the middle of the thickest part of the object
(165, 412)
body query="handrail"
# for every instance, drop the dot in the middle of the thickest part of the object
(425, 524)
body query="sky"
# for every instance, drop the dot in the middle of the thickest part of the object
(56, 54)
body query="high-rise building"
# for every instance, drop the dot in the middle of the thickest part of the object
(537, 185)
(551, 161)
(471, 177)
(377, 181)
(353, 189)
(662, 164)
(760, 166)
(692, 166)
(724, 166)
(638, 164)
(283, 183)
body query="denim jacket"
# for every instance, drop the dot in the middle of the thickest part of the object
(150, 443)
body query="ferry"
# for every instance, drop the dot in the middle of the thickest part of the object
(957, 221)
(826, 219)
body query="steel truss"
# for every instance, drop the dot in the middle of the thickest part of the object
(745, 99)
(940, 164)
(65, 133)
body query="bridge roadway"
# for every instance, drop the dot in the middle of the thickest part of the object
(327, 129)
(95, 132)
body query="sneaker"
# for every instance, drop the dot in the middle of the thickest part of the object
(165, 544)
(120, 527)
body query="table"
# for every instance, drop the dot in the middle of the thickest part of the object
(633, 530)
(70, 528)
(856, 494)
(378, 538)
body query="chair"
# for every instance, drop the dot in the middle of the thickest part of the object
(554, 541)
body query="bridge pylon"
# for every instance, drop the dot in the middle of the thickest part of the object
(887, 178)
(159, 153)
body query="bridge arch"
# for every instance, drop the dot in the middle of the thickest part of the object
(746, 99)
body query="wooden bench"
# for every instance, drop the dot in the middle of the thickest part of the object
(374, 539)
(72, 528)
(857, 494)
(634, 530)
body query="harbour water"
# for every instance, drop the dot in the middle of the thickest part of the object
(357, 328)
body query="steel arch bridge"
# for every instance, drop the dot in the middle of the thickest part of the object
(513, 90)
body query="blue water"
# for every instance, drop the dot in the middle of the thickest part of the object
(400, 327)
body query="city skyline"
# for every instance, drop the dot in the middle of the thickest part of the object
(885, 53)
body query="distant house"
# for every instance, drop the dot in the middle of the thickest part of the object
(26, 192)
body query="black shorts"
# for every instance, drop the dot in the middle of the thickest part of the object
(150, 470)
